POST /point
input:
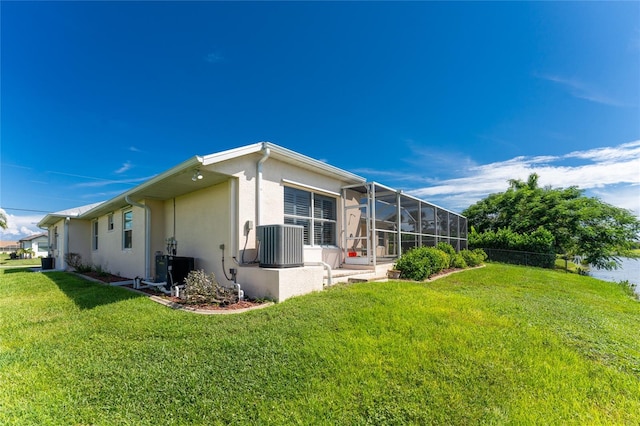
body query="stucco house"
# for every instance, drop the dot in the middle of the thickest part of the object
(9, 246)
(39, 243)
(241, 212)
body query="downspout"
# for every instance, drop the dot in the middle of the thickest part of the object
(265, 154)
(65, 253)
(147, 232)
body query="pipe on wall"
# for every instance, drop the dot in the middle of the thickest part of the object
(147, 235)
(266, 152)
(65, 252)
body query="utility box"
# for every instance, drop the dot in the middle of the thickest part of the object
(281, 246)
(173, 269)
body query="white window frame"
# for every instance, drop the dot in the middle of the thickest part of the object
(312, 219)
(126, 229)
(94, 235)
(110, 225)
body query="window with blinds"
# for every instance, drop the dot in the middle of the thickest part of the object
(127, 230)
(316, 213)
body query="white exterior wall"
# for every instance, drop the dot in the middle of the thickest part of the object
(56, 242)
(73, 236)
(158, 234)
(272, 200)
(202, 224)
(273, 208)
(280, 284)
(80, 237)
(202, 220)
(39, 245)
(111, 256)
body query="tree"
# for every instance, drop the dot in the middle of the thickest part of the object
(3, 220)
(588, 227)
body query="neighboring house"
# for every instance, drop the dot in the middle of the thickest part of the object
(39, 243)
(9, 246)
(213, 208)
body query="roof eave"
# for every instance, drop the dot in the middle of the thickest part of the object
(294, 157)
(134, 193)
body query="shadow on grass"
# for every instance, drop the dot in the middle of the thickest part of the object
(14, 269)
(87, 294)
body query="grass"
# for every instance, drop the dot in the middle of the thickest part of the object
(6, 261)
(502, 344)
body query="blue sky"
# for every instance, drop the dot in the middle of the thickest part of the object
(446, 101)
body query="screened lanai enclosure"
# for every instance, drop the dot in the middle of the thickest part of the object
(381, 223)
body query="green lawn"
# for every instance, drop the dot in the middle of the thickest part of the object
(499, 345)
(6, 261)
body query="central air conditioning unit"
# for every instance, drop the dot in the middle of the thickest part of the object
(173, 269)
(281, 245)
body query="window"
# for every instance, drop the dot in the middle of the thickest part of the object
(110, 222)
(316, 213)
(94, 235)
(127, 229)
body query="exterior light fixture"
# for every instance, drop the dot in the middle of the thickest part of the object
(196, 176)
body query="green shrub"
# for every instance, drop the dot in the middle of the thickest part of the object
(481, 254)
(421, 262)
(473, 258)
(414, 265)
(100, 270)
(457, 261)
(539, 241)
(82, 268)
(447, 248)
(441, 260)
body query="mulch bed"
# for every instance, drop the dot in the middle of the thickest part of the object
(110, 278)
(240, 304)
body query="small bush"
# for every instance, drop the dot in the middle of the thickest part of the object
(441, 260)
(413, 265)
(74, 260)
(421, 262)
(481, 254)
(203, 288)
(102, 272)
(82, 268)
(447, 248)
(473, 258)
(457, 261)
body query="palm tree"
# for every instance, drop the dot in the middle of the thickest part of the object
(531, 183)
(3, 220)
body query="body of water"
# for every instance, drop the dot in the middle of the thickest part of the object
(630, 271)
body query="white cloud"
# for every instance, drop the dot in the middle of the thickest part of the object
(20, 226)
(627, 150)
(112, 182)
(627, 197)
(134, 149)
(126, 166)
(581, 90)
(610, 173)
